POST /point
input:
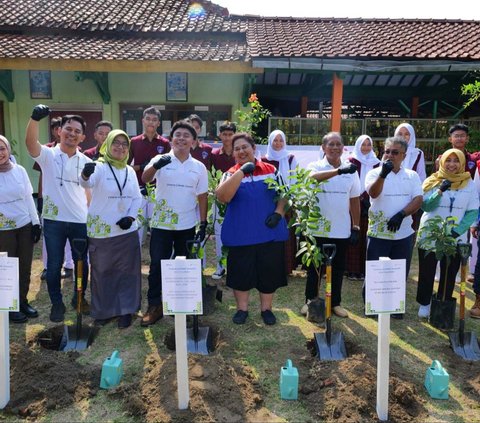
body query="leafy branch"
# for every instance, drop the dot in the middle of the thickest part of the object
(473, 91)
(249, 120)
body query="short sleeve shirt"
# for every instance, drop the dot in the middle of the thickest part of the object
(399, 190)
(203, 153)
(221, 160)
(334, 201)
(178, 186)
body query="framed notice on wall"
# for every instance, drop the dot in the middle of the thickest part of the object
(40, 84)
(177, 86)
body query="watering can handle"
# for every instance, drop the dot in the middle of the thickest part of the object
(288, 364)
(436, 365)
(114, 355)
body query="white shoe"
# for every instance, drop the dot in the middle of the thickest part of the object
(304, 309)
(424, 311)
(218, 274)
(340, 311)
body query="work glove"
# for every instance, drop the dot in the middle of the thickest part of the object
(454, 234)
(387, 167)
(364, 206)
(445, 185)
(125, 223)
(162, 161)
(273, 220)
(144, 191)
(39, 205)
(354, 236)
(39, 112)
(144, 165)
(88, 169)
(201, 233)
(350, 168)
(36, 233)
(395, 221)
(248, 167)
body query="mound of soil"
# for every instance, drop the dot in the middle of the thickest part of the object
(42, 380)
(219, 391)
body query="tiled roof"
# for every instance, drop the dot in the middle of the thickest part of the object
(363, 38)
(114, 48)
(118, 15)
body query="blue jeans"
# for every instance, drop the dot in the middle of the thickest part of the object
(56, 235)
(162, 244)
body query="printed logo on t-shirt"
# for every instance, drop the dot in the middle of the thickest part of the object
(50, 210)
(6, 223)
(97, 228)
(324, 227)
(204, 154)
(163, 216)
(160, 149)
(377, 225)
(470, 164)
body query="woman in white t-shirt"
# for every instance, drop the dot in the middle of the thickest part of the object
(451, 194)
(19, 224)
(114, 248)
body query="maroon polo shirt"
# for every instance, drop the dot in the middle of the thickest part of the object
(142, 150)
(203, 153)
(93, 153)
(222, 161)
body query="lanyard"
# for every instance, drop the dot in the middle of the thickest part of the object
(116, 180)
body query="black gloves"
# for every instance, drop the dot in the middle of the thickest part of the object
(395, 221)
(354, 236)
(446, 184)
(350, 168)
(454, 233)
(248, 167)
(144, 165)
(202, 229)
(162, 161)
(144, 191)
(387, 167)
(36, 233)
(273, 220)
(364, 206)
(125, 223)
(40, 111)
(88, 169)
(39, 205)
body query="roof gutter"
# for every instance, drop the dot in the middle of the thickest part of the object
(348, 65)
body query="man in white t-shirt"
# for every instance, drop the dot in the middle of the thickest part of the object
(64, 200)
(396, 193)
(339, 204)
(182, 185)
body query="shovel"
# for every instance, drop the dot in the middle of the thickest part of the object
(464, 344)
(330, 345)
(77, 337)
(199, 339)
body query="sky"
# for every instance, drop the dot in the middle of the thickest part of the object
(409, 9)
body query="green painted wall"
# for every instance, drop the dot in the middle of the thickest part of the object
(67, 93)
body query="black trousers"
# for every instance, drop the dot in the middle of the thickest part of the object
(427, 264)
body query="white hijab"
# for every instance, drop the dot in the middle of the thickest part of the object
(368, 161)
(279, 156)
(412, 151)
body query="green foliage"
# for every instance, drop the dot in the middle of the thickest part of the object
(143, 220)
(435, 236)
(473, 91)
(249, 120)
(301, 198)
(214, 178)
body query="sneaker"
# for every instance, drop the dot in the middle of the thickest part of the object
(424, 311)
(67, 273)
(219, 274)
(85, 308)
(17, 317)
(124, 321)
(268, 317)
(240, 317)
(475, 310)
(304, 309)
(154, 313)
(340, 311)
(470, 278)
(57, 312)
(43, 275)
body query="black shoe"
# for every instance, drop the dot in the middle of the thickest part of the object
(28, 310)
(43, 276)
(398, 316)
(17, 317)
(67, 273)
(85, 308)
(57, 312)
(268, 317)
(124, 321)
(240, 317)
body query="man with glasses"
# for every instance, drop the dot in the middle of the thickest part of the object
(396, 193)
(64, 200)
(143, 148)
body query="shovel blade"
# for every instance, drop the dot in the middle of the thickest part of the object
(469, 349)
(331, 351)
(74, 339)
(200, 344)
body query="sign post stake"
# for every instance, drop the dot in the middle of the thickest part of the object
(4, 357)
(182, 360)
(383, 365)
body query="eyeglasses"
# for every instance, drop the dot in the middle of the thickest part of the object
(120, 144)
(459, 135)
(393, 152)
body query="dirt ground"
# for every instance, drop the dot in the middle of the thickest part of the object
(343, 391)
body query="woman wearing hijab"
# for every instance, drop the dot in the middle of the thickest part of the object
(365, 159)
(112, 230)
(19, 224)
(278, 156)
(451, 194)
(415, 159)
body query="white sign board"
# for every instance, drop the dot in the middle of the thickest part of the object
(182, 286)
(9, 291)
(385, 286)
